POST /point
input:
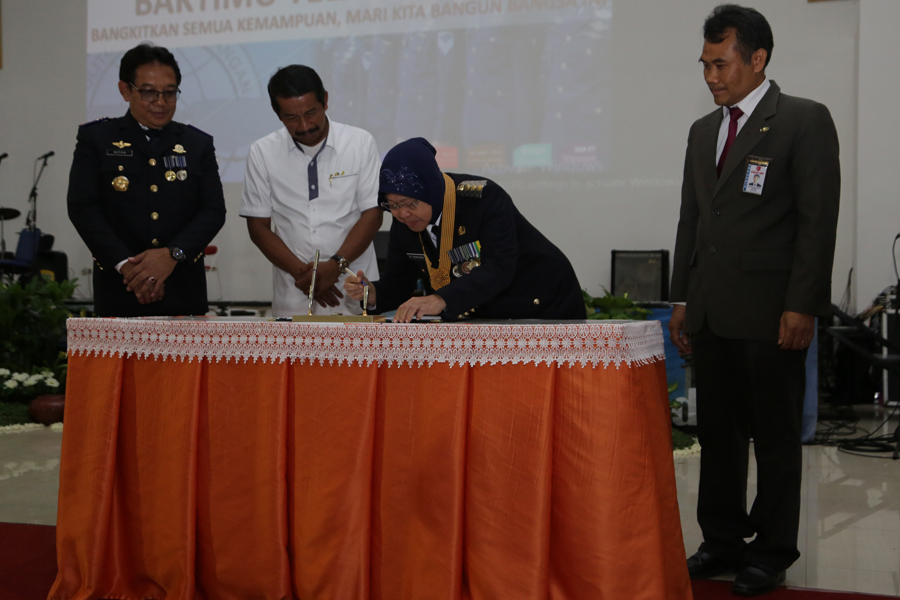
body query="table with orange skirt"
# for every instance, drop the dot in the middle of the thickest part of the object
(224, 459)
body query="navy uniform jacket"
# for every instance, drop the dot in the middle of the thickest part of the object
(522, 274)
(151, 213)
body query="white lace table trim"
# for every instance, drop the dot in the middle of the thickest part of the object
(616, 343)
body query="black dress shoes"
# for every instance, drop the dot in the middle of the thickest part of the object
(704, 565)
(753, 580)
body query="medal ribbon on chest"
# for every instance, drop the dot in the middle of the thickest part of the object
(440, 276)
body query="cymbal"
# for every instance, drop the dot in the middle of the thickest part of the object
(9, 213)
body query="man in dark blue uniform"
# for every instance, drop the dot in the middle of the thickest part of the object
(464, 237)
(145, 196)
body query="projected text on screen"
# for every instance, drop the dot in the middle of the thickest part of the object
(496, 85)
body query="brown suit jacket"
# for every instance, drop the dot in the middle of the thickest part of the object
(741, 260)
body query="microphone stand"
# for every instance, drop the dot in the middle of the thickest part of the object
(31, 221)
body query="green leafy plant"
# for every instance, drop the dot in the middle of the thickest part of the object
(613, 307)
(681, 440)
(33, 324)
(13, 414)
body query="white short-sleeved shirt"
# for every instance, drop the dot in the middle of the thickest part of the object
(276, 186)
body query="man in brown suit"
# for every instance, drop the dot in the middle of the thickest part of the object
(752, 270)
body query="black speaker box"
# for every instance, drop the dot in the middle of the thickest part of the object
(642, 274)
(53, 263)
(892, 329)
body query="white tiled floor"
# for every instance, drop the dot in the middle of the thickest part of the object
(29, 476)
(849, 530)
(849, 520)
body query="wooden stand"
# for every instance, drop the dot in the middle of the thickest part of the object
(339, 319)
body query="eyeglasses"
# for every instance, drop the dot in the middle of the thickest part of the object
(411, 205)
(151, 95)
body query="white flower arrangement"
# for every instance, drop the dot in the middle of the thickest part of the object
(27, 385)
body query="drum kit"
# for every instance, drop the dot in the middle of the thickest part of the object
(8, 214)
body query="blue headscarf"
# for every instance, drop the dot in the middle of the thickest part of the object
(410, 169)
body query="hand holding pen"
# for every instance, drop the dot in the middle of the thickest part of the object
(354, 285)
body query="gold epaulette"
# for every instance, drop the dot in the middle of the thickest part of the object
(471, 189)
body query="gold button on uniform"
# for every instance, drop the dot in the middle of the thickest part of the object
(152, 162)
(154, 216)
(153, 188)
(121, 168)
(537, 301)
(155, 242)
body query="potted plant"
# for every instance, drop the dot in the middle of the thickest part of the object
(40, 389)
(32, 344)
(613, 307)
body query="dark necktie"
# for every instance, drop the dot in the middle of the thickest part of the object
(736, 114)
(152, 135)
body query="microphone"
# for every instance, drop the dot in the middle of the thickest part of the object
(46, 156)
(4, 155)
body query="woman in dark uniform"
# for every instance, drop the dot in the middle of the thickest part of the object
(463, 236)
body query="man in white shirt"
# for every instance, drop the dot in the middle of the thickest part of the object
(316, 181)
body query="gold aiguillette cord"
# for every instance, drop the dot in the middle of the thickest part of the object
(440, 276)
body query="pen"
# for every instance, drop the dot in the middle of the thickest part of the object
(312, 284)
(349, 272)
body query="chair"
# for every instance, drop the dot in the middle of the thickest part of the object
(26, 252)
(211, 269)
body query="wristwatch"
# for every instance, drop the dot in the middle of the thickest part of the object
(342, 262)
(177, 253)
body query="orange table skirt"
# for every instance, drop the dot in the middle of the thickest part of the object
(183, 480)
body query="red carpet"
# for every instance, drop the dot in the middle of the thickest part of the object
(28, 568)
(720, 590)
(27, 561)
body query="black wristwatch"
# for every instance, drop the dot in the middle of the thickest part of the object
(342, 262)
(177, 253)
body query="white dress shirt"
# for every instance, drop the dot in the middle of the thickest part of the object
(748, 105)
(276, 186)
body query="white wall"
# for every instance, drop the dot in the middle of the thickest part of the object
(658, 92)
(878, 207)
(42, 100)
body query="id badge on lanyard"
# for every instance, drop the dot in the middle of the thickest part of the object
(755, 178)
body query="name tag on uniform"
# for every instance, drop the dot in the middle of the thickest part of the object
(119, 152)
(415, 257)
(755, 179)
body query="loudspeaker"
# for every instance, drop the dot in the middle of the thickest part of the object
(54, 264)
(890, 329)
(642, 274)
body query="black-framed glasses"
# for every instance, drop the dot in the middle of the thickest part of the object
(411, 205)
(151, 95)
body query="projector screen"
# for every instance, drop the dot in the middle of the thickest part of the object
(498, 86)
(584, 123)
